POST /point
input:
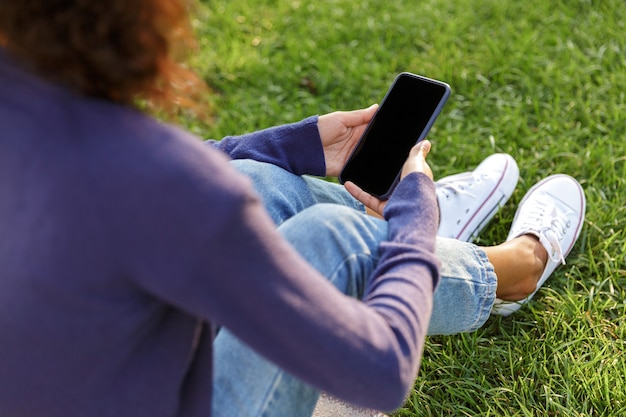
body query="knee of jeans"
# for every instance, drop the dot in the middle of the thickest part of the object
(269, 179)
(336, 225)
(331, 217)
(254, 168)
(340, 242)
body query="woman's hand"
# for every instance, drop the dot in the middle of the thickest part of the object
(340, 131)
(416, 162)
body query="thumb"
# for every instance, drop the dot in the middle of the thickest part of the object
(416, 161)
(424, 148)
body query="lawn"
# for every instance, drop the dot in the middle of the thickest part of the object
(544, 81)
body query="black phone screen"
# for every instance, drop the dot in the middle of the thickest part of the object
(404, 117)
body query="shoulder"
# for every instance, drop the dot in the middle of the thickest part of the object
(138, 164)
(128, 140)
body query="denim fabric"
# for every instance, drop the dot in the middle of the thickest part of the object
(246, 384)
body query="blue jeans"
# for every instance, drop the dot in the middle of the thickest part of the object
(330, 229)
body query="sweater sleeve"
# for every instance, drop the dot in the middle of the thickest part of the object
(371, 349)
(232, 267)
(296, 147)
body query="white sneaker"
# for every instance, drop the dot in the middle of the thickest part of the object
(468, 201)
(553, 210)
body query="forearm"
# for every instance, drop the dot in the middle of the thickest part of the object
(296, 147)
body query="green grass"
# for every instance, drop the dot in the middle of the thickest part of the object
(542, 80)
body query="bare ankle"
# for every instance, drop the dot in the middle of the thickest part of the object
(518, 264)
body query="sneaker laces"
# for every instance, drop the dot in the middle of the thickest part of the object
(458, 184)
(551, 230)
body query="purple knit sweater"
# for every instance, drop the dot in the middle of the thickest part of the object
(121, 248)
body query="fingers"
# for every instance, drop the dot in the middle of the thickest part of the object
(371, 202)
(416, 162)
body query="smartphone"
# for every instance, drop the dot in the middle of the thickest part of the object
(404, 117)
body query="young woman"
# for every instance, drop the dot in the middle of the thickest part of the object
(126, 244)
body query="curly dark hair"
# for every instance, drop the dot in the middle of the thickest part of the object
(125, 51)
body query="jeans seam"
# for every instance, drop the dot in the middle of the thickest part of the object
(270, 393)
(488, 285)
(370, 257)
